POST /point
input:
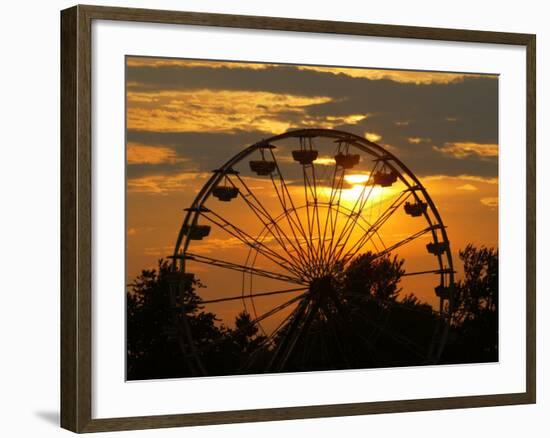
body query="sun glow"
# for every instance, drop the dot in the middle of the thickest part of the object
(356, 188)
(363, 192)
(325, 161)
(358, 178)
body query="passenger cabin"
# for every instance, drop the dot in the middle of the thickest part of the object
(443, 292)
(385, 179)
(347, 161)
(305, 156)
(182, 279)
(437, 248)
(262, 167)
(196, 232)
(225, 193)
(416, 209)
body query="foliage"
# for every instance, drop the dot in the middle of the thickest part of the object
(474, 330)
(152, 339)
(357, 321)
(372, 276)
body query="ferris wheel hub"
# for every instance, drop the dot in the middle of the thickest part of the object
(322, 286)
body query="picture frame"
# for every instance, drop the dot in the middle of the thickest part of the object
(77, 172)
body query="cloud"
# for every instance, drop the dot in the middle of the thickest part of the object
(162, 184)
(467, 187)
(159, 251)
(214, 245)
(418, 140)
(202, 151)
(226, 111)
(474, 178)
(223, 108)
(467, 149)
(490, 202)
(143, 154)
(373, 136)
(400, 76)
(135, 61)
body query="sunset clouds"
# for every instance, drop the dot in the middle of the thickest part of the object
(183, 103)
(222, 111)
(142, 154)
(467, 149)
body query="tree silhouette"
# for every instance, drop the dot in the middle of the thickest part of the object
(474, 330)
(152, 349)
(354, 319)
(370, 276)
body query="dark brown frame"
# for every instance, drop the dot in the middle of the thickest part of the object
(76, 168)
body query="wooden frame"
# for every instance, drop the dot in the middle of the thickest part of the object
(76, 168)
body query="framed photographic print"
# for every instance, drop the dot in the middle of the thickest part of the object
(304, 218)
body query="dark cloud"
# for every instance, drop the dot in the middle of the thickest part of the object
(204, 151)
(462, 111)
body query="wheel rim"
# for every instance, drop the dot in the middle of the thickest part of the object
(309, 255)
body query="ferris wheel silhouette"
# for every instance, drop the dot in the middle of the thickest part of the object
(299, 208)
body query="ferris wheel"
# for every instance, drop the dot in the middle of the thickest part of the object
(280, 230)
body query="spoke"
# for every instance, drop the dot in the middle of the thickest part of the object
(277, 329)
(257, 320)
(339, 190)
(189, 351)
(334, 218)
(351, 220)
(293, 325)
(320, 249)
(361, 201)
(329, 212)
(282, 199)
(375, 227)
(324, 346)
(268, 221)
(277, 309)
(300, 333)
(404, 242)
(291, 221)
(308, 218)
(342, 318)
(254, 295)
(330, 323)
(310, 189)
(263, 344)
(241, 268)
(252, 242)
(432, 271)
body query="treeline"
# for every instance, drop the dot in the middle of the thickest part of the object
(360, 323)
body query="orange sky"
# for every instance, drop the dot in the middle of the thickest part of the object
(187, 117)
